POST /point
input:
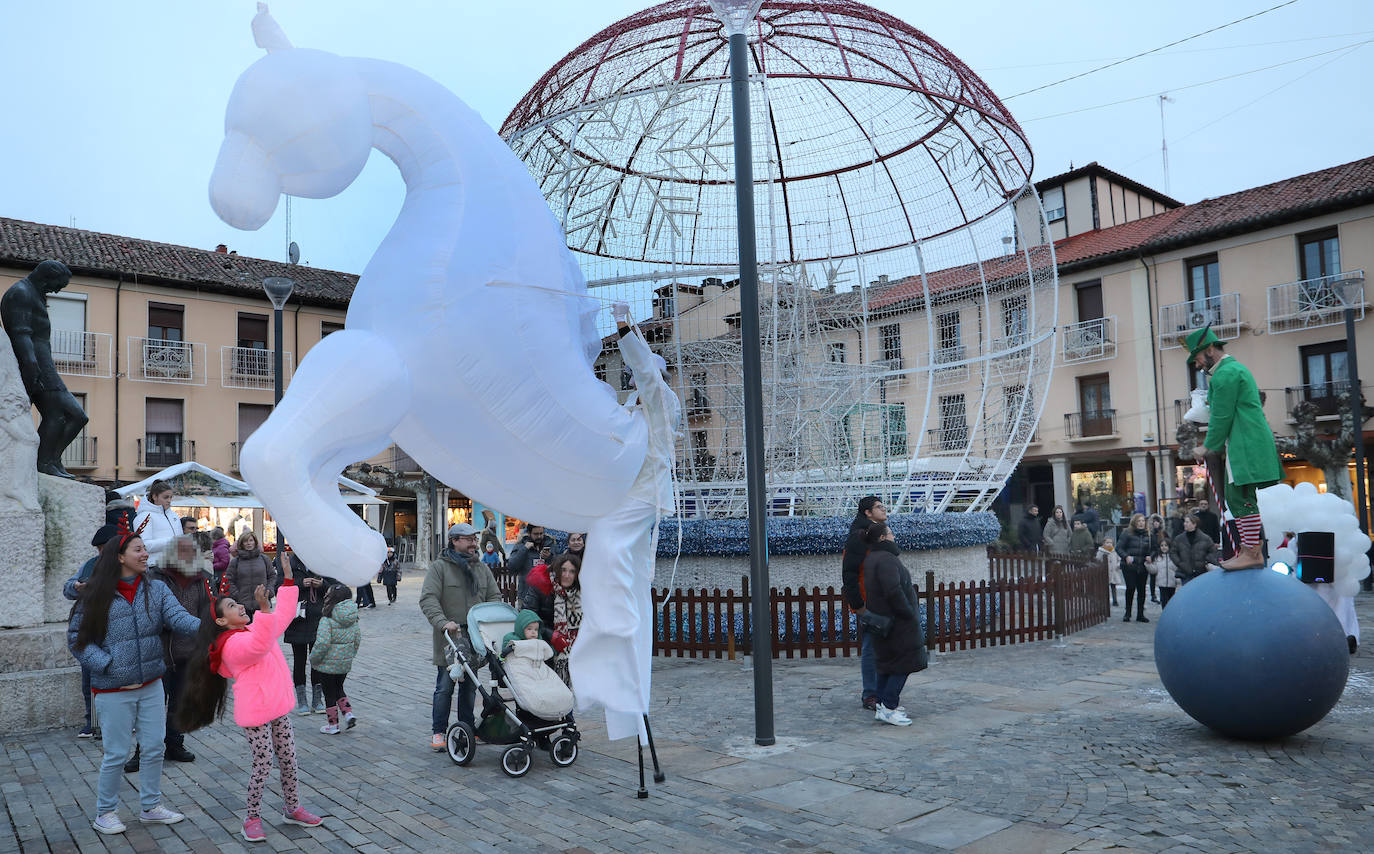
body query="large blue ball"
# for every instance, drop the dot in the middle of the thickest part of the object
(1252, 654)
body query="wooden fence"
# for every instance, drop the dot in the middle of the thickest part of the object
(1027, 597)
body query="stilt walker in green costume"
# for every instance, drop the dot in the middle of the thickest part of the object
(1239, 442)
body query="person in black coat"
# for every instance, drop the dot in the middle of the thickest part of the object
(871, 510)
(891, 594)
(300, 633)
(1137, 545)
(1029, 531)
(534, 543)
(1208, 522)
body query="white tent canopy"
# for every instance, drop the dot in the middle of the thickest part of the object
(220, 490)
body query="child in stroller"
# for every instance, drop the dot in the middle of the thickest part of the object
(525, 704)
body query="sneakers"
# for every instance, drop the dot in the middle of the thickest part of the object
(300, 816)
(870, 703)
(333, 729)
(160, 815)
(891, 716)
(86, 732)
(437, 742)
(252, 830)
(109, 823)
(350, 720)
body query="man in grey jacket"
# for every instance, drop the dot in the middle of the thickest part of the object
(454, 582)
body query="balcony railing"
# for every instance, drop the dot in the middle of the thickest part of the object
(160, 455)
(1326, 396)
(698, 404)
(1221, 312)
(1090, 340)
(935, 362)
(1316, 302)
(1088, 425)
(1009, 432)
(951, 437)
(157, 360)
(83, 354)
(80, 454)
(250, 367)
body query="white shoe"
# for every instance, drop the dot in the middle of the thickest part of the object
(109, 823)
(160, 815)
(891, 716)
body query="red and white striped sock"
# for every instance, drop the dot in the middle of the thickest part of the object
(1249, 527)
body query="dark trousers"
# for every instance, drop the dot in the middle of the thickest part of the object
(391, 593)
(365, 597)
(86, 691)
(172, 683)
(333, 684)
(300, 660)
(890, 687)
(1165, 594)
(1135, 585)
(1152, 587)
(868, 664)
(443, 701)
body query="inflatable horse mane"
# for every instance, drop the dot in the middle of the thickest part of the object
(490, 389)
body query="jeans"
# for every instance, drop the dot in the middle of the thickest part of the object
(86, 692)
(443, 701)
(868, 664)
(120, 712)
(890, 688)
(365, 597)
(172, 683)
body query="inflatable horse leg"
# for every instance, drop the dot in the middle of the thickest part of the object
(346, 398)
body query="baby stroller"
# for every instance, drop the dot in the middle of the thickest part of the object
(505, 718)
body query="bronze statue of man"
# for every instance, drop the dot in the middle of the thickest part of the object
(24, 311)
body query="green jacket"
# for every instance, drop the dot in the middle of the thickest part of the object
(336, 640)
(522, 619)
(452, 585)
(1238, 427)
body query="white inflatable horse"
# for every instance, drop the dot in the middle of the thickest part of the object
(488, 388)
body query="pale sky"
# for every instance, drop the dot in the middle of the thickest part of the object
(116, 109)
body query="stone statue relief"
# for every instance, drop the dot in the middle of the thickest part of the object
(24, 311)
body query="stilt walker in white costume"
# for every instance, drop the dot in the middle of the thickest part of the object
(610, 663)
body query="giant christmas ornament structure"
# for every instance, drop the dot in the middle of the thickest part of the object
(907, 285)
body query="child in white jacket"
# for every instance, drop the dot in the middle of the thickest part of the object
(1165, 573)
(1107, 554)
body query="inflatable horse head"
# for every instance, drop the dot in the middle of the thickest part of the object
(489, 389)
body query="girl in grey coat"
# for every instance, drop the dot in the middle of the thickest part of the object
(115, 631)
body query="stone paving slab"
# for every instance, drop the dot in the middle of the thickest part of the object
(1011, 748)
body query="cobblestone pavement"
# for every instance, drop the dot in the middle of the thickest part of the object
(1024, 749)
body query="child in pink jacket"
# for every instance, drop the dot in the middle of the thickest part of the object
(249, 652)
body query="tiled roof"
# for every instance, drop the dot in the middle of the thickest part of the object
(1290, 200)
(24, 244)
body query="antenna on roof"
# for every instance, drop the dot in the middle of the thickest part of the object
(1163, 140)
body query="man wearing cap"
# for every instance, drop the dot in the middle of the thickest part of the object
(72, 590)
(454, 582)
(1238, 430)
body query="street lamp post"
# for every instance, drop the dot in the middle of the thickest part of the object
(278, 290)
(736, 15)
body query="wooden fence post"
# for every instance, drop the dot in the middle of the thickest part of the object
(930, 611)
(1056, 570)
(748, 639)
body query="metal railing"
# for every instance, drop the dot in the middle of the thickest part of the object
(953, 437)
(250, 367)
(161, 361)
(1090, 340)
(80, 454)
(1325, 396)
(161, 458)
(83, 354)
(698, 404)
(1087, 425)
(1221, 312)
(1316, 302)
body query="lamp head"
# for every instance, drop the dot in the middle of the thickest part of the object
(735, 15)
(278, 290)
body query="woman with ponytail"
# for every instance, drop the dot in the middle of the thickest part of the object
(115, 631)
(247, 649)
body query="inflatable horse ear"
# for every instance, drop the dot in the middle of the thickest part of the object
(489, 389)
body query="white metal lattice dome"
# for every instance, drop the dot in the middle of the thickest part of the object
(886, 181)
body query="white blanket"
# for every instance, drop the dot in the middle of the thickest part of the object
(537, 687)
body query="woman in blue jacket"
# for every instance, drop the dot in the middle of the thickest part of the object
(115, 631)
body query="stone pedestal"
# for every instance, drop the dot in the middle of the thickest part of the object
(21, 565)
(40, 682)
(73, 512)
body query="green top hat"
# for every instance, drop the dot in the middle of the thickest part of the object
(1199, 340)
